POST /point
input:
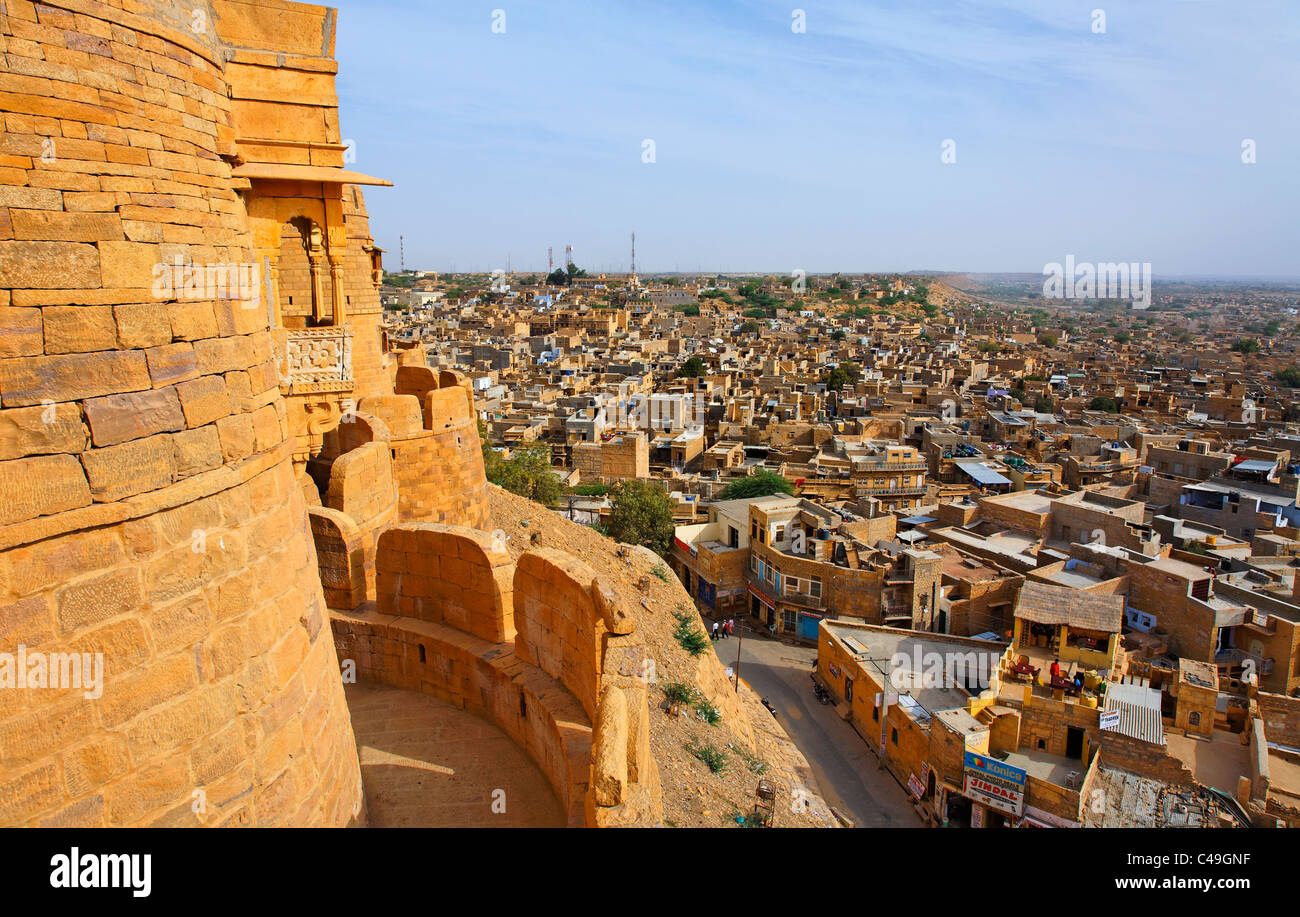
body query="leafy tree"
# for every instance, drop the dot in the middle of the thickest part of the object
(846, 373)
(1290, 377)
(1047, 339)
(527, 473)
(641, 513)
(749, 327)
(1044, 405)
(591, 490)
(762, 483)
(1246, 345)
(1103, 403)
(692, 369)
(1122, 337)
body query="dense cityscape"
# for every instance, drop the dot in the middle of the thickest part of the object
(893, 510)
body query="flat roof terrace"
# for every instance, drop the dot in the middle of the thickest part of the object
(1028, 501)
(1042, 766)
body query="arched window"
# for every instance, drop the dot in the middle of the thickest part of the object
(1194, 718)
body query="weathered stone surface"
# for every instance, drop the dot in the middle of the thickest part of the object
(197, 450)
(52, 225)
(42, 430)
(142, 325)
(40, 486)
(172, 363)
(120, 418)
(204, 400)
(21, 332)
(129, 265)
(122, 471)
(79, 329)
(609, 749)
(48, 265)
(70, 377)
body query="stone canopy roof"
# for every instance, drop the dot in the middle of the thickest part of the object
(1043, 604)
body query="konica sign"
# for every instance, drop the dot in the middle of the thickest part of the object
(995, 784)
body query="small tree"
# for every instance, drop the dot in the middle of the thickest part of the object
(1290, 377)
(1103, 403)
(527, 473)
(641, 513)
(846, 373)
(691, 369)
(762, 483)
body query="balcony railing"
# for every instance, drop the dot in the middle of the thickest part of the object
(1233, 658)
(802, 599)
(884, 467)
(901, 491)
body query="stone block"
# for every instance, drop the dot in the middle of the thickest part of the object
(204, 400)
(71, 377)
(21, 332)
(41, 486)
(48, 265)
(120, 418)
(79, 329)
(118, 472)
(197, 451)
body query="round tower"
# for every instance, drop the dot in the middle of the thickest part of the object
(165, 655)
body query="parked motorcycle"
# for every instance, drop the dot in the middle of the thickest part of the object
(768, 704)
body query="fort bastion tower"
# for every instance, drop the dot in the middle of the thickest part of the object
(180, 249)
(215, 474)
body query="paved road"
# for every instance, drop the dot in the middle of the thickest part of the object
(845, 769)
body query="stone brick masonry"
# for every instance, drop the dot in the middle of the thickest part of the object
(148, 509)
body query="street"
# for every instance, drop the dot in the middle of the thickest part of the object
(845, 769)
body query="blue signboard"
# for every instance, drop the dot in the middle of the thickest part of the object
(992, 767)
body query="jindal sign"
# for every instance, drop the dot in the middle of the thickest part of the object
(994, 784)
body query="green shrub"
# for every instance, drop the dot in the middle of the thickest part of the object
(679, 692)
(754, 764)
(714, 758)
(707, 712)
(691, 638)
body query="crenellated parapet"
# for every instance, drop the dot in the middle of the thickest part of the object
(542, 648)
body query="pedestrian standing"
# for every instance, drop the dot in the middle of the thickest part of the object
(731, 626)
(715, 631)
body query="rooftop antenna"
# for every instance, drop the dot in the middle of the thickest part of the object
(401, 246)
(550, 260)
(634, 254)
(568, 257)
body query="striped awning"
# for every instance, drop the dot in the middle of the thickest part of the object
(1136, 711)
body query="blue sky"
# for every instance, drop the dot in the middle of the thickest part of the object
(821, 151)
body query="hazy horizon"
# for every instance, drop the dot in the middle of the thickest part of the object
(821, 151)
